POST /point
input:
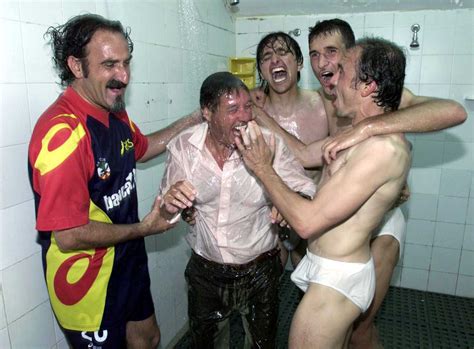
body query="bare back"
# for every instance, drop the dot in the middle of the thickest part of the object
(363, 182)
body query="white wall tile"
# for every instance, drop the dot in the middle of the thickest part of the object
(374, 20)
(452, 209)
(420, 232)
(465, 286)
(468, 242)
(12, 69)
(422, 206)
(18, 240)
(432, 38)
(463, 69)
(138, 105)
(273, 24)
(3, 318)
(246, 25)
(463, 132)
(406, 19)
(413, 69)
(427, 153)
(455, 182)
(158, 63)
(158, 102)
(24, 287)
(38, 324)
(445, 260)
(442, 282)
(458, 155)
(175, 69)
(470, 212)
(436, 69)
(40, 97)
(462, 44)
(437, 18)
(40, 12)
(15, 174)
(37, 53)
(14, 115)
(424, 180)
(10, 10)
(4, 339)
(414, 278)
(74, 8)
(467, 263)
(417, 256)
(449, 235)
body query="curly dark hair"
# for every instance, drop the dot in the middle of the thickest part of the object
(217, 85)
(269, 41)
(71, 39)
(383, 62)
(332, 26)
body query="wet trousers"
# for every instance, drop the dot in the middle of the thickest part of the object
(216, 290)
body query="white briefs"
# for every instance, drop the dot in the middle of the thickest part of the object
(356, 281)
(393, 224)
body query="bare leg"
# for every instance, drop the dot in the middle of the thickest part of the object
(385, 251)
(143, 334)
(322, 319)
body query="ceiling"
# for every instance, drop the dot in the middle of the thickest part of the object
(256, 8)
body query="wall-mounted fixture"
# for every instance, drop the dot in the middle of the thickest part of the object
(415, 28)
(234, 2)
(295, 32)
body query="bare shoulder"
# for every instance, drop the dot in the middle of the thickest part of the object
(384, 150)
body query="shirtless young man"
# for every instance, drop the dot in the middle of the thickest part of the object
(299, 112)
(328, 41)
(355, 192)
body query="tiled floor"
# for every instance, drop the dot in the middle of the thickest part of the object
(407, 319)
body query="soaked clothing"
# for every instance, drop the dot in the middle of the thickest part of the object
(393, 224)
(82, 167)
(356, 281)
(216, 290)
(233, 212)
(233, 227)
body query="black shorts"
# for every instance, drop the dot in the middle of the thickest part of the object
(140, 307)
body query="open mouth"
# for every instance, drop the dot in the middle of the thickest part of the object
(279, 74)
(326, 77)
(238, 128)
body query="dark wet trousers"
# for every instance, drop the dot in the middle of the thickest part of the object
(216, 290)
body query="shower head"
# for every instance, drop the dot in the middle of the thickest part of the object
(415, 28)
(295, 32)
(234, 2)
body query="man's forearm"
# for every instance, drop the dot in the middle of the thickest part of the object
(97, 234)
(431, 114)
(158, 140)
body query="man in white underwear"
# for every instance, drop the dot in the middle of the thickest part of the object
(328, 41)
(355, 192)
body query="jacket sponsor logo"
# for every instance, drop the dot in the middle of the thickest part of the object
(114, 200)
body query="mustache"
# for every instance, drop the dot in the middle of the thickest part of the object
(115, 84)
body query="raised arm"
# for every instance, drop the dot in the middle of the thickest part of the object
(344, 193)
(158, 140)
(417, 114)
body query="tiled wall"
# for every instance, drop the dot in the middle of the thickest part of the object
(439, 248)
(177, 44)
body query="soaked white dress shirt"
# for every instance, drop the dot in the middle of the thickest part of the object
(233, 223)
